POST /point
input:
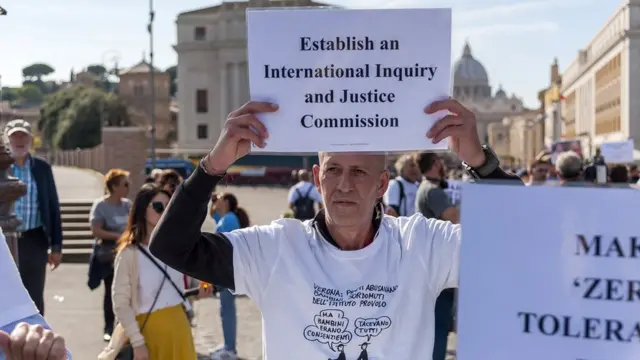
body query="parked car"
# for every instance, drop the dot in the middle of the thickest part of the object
(182, 166)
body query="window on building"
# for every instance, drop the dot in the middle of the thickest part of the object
(202, 101)
(200, 33)
(203, 132)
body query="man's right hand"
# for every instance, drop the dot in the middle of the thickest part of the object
(32, 342)
(241, 129)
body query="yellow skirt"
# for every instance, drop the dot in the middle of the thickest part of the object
(167, 334)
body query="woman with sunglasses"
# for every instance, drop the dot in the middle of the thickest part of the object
(108, 219)
(228, 216)
(147, 294)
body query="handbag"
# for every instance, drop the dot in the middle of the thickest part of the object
(188, 313)
(105, 251)
(119, 347)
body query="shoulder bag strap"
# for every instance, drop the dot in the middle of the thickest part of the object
(401, 198)
(155, 300)
(309, 191)
(164, 272)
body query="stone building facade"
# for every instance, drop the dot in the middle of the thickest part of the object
(521, 137)
(135, 89)
(472, 88)
(601, 86)
(213, 75)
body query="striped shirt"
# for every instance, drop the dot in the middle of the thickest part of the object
(26, 207)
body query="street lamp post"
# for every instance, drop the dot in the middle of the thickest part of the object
(152, 140)
(589, 141)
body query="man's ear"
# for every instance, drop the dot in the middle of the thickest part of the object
(316, 177)
(384, 183)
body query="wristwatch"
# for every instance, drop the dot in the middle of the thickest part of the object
(491, 163)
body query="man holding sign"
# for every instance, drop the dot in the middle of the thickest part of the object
(351, 280)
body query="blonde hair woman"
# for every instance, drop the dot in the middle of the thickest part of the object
(108, 218)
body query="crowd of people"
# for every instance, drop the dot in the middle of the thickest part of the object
(355, 228)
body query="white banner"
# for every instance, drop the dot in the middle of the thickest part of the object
(454, 190)
(618, 152)
(349, 80)
(549, 273)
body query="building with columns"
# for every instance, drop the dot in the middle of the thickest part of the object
(601, 86)
(213, 77)
(134, 88)
(523, 136)
(472, 88)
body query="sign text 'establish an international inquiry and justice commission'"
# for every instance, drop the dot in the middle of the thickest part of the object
(351, 86)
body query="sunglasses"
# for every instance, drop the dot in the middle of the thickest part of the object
(158, 207)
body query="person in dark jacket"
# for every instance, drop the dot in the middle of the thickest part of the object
(40, 234)
(350, 245)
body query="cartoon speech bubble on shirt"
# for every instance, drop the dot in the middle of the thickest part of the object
(330, 328)
(371, 327)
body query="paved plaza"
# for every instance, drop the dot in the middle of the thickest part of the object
(76, 312)
(78, 184)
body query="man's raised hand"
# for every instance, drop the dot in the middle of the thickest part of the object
(241, 129)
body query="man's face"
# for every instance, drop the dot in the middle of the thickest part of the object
(539, 172)
(19, 143)
(350, 184)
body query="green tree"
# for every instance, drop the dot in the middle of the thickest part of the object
(97, 70)
(10, 94)
(31, 94)
(53, 108)
(173, 76)
(35, 72)
(73, 118)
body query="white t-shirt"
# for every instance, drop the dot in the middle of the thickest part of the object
(318, 301)
(15, 302)
(392, 196)
(150, 279)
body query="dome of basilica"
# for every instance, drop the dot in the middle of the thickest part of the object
(469, 71)
(470, 79)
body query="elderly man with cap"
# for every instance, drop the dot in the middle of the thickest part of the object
(40, 234)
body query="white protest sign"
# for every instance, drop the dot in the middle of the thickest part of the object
(454, 190)
(618, 152)
(555, 282)
(349, 80)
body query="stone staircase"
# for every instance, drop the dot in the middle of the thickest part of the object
(76, 231)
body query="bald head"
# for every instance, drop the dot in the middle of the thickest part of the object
(378, 161)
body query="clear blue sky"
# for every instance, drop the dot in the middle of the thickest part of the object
(516, 40)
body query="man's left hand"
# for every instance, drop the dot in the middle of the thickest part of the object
(460, 127)
(205, 291)
(55, 258)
